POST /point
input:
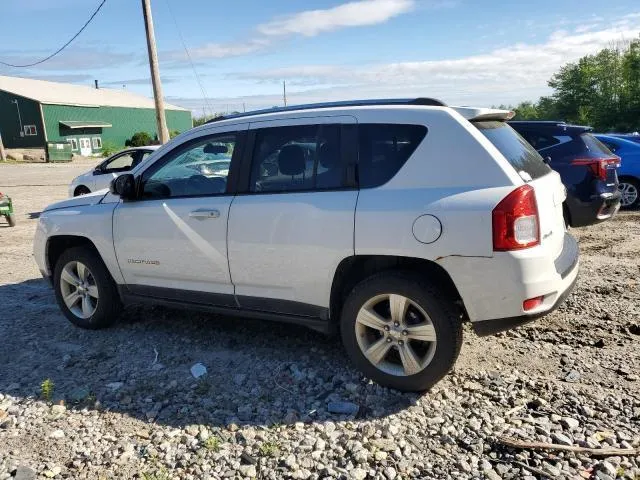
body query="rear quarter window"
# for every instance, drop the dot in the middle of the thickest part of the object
(384, 149)
(518, 152)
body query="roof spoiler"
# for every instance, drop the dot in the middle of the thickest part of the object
(484, 114)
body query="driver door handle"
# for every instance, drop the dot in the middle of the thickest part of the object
(204, 213)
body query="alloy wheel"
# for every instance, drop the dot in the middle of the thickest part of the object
(629, 194)
(79, 289)
(395, 334)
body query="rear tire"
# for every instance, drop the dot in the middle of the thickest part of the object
(630, 190)
(11, 219)
(81, 190)
(84, 289)
(421, 340)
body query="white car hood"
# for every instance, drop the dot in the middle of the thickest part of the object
(89, 199)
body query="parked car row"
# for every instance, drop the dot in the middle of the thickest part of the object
(264, 203)
(586, 166)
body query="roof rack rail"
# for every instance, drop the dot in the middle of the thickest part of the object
(424, 101)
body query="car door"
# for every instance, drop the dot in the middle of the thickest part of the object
(292, 222)
(171, 243)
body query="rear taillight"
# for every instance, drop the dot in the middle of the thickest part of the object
(598, 166)
(515, 221)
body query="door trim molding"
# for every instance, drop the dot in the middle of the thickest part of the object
(285, 311)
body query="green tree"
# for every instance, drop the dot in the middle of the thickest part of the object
(139, 139)
(601, 90)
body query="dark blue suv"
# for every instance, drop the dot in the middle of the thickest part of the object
(587, 168)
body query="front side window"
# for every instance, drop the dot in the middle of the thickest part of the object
(384, 149)
(303, 157)
(200, 168)
(121, 163)
(30, 130)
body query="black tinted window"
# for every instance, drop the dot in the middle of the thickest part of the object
(303, 157)
(383, 150)
(540, 141)
(594, 145)
(518, 152)
(611, 146)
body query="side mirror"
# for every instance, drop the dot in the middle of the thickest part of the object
(97, 171)
(124, 186)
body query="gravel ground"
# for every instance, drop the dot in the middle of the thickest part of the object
(124, 403)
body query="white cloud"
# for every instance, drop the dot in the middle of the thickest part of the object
(517, 67)
(352, 14)
(308, 23)
(221, 50)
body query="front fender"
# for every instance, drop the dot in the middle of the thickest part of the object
(93, 222)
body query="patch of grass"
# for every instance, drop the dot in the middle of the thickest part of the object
(46, 389)
(161, 474)
(270, 449)
(213, 444)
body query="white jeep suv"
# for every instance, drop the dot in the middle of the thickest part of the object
(390, 221)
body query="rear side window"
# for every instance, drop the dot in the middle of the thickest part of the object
(518, 152)
(384, 149)
(304, 157)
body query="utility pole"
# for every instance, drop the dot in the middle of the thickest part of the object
(284, 92)
(163, 132)
(3, 157)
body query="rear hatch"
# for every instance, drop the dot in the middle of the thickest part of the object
(527, 162)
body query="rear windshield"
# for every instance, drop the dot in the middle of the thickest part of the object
(520, 154)
(595, 146)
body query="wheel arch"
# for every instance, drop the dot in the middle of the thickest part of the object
(80, 187)
(58, 244)
(354, 269)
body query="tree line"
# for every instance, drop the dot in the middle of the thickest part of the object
(600, 90)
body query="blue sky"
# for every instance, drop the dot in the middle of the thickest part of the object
(471, 52)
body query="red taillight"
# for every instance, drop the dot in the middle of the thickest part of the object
(532, 303)
(598, 166)
(515, 221)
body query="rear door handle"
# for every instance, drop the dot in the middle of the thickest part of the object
(204, 213)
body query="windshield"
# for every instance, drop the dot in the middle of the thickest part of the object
(518, 152)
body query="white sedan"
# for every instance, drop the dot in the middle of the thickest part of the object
(101, 176)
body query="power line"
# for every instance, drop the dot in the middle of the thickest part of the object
(186, 50)
(61, 48)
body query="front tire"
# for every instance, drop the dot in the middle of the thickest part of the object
(84, 289)
(11, 219)
(630, 191)
(400, 331)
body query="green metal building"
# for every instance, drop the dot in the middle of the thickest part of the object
(35, 113)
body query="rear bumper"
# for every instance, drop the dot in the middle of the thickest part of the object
(599, 208)
(493, 289)
(491, 327)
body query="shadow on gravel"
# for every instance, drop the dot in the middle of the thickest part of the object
(258, 373)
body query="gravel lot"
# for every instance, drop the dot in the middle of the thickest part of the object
(124, 403)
